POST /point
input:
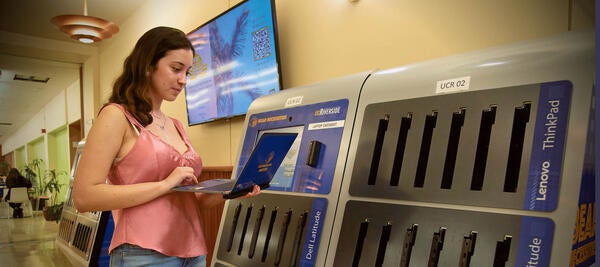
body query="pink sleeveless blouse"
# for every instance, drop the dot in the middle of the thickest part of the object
(169, 224)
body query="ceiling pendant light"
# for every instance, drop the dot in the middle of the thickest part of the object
(86, 29)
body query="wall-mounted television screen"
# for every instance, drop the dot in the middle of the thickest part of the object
(236, 61)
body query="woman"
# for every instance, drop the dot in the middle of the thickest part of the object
(15, 179)
(134, 155)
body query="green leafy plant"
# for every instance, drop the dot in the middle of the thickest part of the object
(52, 186)
(34, 172)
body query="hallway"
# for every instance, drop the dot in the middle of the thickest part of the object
(30, 241)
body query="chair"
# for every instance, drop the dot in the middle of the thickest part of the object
(19, 195)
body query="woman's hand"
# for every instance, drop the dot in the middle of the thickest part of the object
(179, 176)
(255, 192)
(211, 200)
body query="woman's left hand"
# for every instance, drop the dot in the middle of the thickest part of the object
(255, 192)
(211, 200)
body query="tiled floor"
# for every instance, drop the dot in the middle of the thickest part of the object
(30, 241)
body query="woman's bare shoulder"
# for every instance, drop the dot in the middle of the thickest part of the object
(111, 118)
(111, 112)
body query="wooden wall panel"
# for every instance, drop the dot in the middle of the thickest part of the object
(211, 218)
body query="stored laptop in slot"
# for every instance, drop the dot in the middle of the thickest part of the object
(264, 160)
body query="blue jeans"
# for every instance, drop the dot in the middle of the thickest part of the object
(127, 255)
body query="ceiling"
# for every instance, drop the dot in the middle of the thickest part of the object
(25, 20)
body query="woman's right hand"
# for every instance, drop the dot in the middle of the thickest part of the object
(180, 176)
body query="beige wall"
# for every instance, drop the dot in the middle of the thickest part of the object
(323, 39)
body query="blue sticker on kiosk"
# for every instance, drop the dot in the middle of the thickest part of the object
(548, 146)
(535, 242)
(310, 164)
(313, 232)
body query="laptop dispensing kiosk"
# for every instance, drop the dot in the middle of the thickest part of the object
(479, 162)
(286, 225)
(480, 159)
(84, 237)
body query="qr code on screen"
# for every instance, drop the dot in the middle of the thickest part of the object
(261, 44)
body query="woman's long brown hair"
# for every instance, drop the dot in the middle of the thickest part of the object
(131, 89)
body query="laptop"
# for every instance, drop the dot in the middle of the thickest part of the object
(262, 164)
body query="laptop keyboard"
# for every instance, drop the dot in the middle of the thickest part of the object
(222, 187)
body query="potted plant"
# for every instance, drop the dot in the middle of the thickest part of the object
(34, 172)
(52, 185)
(46, 185)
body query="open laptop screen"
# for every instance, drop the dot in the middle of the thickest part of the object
(265, 159)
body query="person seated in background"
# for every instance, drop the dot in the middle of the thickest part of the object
(15, 179)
